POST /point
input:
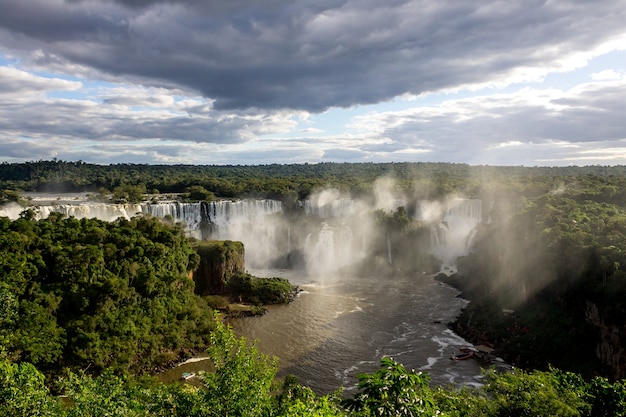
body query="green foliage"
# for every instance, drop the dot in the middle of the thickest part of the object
(463, 402)
(199, 193)
(104, 395)
(244, 384)
(23, 392)
(398, 221)
(297, 400)
(243, 380)
(521, 394)
(7, 196)
(392, 391)
(91, 294)
(426, 180)
(250, 289)
(605, 398)
(127, 193)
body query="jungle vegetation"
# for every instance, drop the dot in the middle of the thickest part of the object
(93, 295)
(289, 181)
(85, 304)
(244, 384)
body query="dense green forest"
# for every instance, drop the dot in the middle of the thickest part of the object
(88, 294)
(281, 181)
(547, 281)
(85, 302)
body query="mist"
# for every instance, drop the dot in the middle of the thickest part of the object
(11, 210)
(333, 233)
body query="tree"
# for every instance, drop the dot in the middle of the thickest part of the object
(521, 394)
(392, 391)
(199, 193)
(23, 392)
(127, 193)
(243, 380)
(297, 400)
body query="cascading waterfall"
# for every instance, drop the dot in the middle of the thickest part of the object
(452, 237)
(190, 214)
(224, 213)
(253, 222)
(329, 249)
(11, 211)
(248, 221)
(102, 211)
(341, 238)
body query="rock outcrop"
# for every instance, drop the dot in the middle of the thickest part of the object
(219, 261)
(610, 345)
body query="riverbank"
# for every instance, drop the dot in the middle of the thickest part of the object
(540, 333)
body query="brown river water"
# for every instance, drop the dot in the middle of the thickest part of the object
(341, 326)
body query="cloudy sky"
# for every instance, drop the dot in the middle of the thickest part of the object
(502, 82)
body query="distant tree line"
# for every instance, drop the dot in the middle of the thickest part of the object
(432, 180)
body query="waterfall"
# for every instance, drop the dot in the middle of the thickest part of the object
(329, 249)
(336, 234)
(102, 211)
(224, 213)
(189, 214)
(453, 235)
(253, 222)
(11, 211)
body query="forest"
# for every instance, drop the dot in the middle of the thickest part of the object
(89, 308)
(88, 294)
(282, 181)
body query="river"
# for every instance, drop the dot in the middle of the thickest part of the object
(339, 327)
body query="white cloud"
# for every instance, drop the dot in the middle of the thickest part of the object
(609, 74)
(17, 85)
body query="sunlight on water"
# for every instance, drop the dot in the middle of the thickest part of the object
(332, 332)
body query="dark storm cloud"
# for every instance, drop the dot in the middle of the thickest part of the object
(309, 55)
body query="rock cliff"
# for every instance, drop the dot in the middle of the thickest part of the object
(610, 342)
(219, 261)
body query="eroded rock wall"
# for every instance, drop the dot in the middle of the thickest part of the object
(610, 346)
(219, 261)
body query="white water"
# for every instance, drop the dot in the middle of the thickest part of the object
(452, 237)
(340, 239)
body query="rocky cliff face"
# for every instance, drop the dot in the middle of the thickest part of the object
(219, 261)
(610, 346)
